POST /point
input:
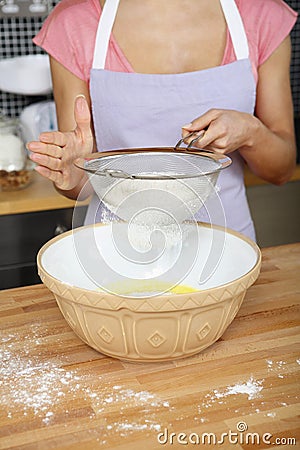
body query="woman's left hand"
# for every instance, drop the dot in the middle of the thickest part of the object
(221, 130)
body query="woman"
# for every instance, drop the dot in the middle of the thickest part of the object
(170, 68)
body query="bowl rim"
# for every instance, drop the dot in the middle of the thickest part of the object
(160, 302)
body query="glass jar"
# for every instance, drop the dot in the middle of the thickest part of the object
(15, 167)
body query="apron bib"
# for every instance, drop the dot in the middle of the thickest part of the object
(146, 110)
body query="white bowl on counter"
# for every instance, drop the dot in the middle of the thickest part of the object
(26, 75)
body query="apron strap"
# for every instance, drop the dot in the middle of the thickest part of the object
(236, 29)
(105, 26)
(109, 12)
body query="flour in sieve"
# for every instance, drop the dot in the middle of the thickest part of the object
(155, 210)
(163, 200)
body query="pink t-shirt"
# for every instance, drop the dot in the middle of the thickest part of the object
(68, 34)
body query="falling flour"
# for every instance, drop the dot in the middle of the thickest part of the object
(154, 206)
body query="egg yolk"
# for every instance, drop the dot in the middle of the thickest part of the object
(144, 287)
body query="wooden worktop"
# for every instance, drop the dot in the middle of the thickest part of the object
(40, 195)
(57, 393)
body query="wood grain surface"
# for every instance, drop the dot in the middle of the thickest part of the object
(40, 195)
(57, 393)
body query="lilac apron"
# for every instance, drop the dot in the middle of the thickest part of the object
(148, 110)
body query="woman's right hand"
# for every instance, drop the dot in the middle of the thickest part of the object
(56, 151)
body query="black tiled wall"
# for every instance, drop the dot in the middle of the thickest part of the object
(16, 40)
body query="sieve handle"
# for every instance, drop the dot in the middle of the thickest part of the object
(199, 136)
(224, 160)
(115, 173)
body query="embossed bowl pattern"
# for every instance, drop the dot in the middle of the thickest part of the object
(155, 328)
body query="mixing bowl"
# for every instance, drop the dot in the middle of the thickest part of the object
(26, 75)
(155, 311)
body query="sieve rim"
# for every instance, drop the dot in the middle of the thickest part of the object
(222, 161)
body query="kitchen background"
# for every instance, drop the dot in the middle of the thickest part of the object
(276, 210)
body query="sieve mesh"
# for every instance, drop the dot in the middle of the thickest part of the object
(162, 185)
(156, 165)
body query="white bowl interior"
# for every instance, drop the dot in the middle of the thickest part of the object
(26, 75)
(98, 257)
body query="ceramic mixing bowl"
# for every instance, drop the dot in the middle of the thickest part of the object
(26, 75)
(157, 310)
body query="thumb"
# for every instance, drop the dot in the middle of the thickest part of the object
(82, 116)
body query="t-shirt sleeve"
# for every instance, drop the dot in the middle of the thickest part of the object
(274, 21)
(68, 35)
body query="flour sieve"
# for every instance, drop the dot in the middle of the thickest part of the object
(172, 182)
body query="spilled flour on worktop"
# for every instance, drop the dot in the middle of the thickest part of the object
(252, 388)
(44, 398)
(61, 393)
(279, 368)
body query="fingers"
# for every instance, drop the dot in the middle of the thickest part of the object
(55, 151)
(50, 149)
(48, 152)
(83, 118)
(55, 176)
(208, 138)
(54, 137)
(201, 128)
(48, 157)
(61, 178)
(201, 123)
(210, 130)
(45, 160)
